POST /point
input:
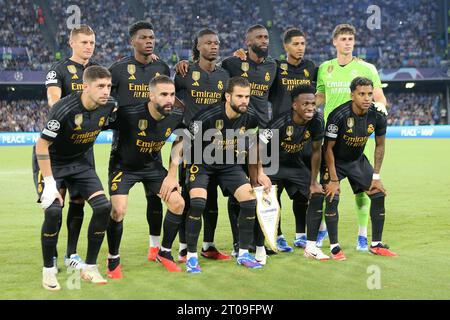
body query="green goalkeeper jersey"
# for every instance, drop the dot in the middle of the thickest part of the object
(334, 81)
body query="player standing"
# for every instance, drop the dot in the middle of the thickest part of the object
(237, 116)
(131, 78)
(292, 72)
(201, 88)
(64, 78)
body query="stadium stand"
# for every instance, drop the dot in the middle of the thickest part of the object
(405, 40)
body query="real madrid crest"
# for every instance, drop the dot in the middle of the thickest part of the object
(142, 125)
(73, 70)
(266, 201)
(306, 73)
(219, 124)
(220, 85)
(350, 122)
(284, 67)
(131, 68)
(330, 68)
(196, 77)
(245, 67)
(78, 121)
(101, 122)
(267, 77)
(289, 133)
(370, 129)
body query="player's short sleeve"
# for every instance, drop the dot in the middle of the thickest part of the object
(381, 125)
(53, 78)
(314, 73)
(320, 87)
(115, 79)
(332, 128)
(226, 65)
(166, 70)
(55, 122)
(113, 120)
(374, 76)
(317, 128)
(179, 83)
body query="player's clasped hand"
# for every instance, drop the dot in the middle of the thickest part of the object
(377, 186)
(265, 182)
(50, 193)
(381, 107)
(331, 189)
(315, 188)
(241, 54)
(167, 187)
(182, 68)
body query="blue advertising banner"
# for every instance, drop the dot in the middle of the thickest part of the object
(30, 138)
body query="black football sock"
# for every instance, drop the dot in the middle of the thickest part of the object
(314, 216)
(377, 215)
(114, 236)
(247, 217)
(101, 208)
(194, 223)
(49, 232)
(74, 222)
(154, 215)
(171, 224)
(332, 218)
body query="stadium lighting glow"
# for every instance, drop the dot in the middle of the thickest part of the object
(410, 85)
(384, 85)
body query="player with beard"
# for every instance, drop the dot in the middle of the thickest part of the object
(201, 88)
(142, 132)
(237, 116)
(131, 78)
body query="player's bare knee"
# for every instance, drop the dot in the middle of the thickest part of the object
(244, 193)
(118, 212)
(176, 203)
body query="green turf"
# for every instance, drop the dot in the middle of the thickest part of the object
(415, 172)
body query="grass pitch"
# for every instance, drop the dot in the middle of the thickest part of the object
(415, 172)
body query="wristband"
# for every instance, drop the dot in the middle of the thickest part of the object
(334, 180)
(376, 176)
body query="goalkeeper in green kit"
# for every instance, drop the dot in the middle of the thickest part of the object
(333, 89)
